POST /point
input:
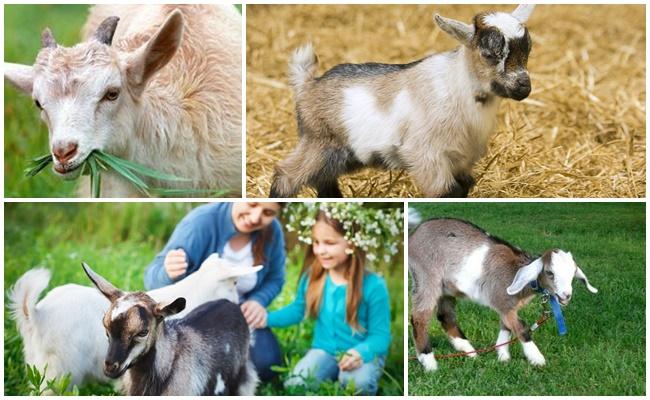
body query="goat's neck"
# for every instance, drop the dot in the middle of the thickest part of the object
(149, 373)
(467, 84)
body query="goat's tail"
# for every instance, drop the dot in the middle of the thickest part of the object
(414, 218)
(302, 66)
(24, 295)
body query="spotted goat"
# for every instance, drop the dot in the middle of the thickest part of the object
(158, 85)
(450, 259)
(432, 117)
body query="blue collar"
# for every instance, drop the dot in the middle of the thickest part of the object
(555, 307)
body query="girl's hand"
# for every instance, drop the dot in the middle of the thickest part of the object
(351, 360)
(255, 314)
(175, 263)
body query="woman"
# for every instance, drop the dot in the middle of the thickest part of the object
(243, 233)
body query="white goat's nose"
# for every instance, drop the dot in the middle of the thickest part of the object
(64, 152)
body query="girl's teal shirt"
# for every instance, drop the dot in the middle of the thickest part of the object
(332, 333)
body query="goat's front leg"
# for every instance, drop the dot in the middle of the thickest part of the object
(435, 179)
(503, 352)
(523, 333)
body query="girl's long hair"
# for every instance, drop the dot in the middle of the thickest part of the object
(317, 274)
(264, 236)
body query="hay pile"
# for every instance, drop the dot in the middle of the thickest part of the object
(581, 133)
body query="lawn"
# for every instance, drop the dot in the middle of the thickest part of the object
(118, 241)
(604, 352)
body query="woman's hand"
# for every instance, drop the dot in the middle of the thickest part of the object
(175, 263)
(351, 360)
(255, 314)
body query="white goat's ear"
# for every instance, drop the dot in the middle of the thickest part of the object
(21, 76)
(522, 12)
(583, 278)
(524, 276)
(156, 53)
(111, 292)
(106, 30)
(165, 310)
(458, 30)
(228, 271)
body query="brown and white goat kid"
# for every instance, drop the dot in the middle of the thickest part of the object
(161, 88)
(204, 353)
(432, 117)
(450, 259)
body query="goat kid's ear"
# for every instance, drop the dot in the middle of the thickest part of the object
(523, 12)
(156, 53)
(524, 276)
(21, 76)
(106, 30)
(458, 30)
(111, 292)
(176, 306)
(583, 278)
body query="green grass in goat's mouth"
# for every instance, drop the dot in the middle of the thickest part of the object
(99, 161)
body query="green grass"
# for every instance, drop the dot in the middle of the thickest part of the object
(26, 135)
(604, 352)
(119, 241)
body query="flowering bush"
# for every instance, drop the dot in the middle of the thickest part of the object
(378, 232)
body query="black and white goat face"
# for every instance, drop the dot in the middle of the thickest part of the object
(554, 271)
(499, 44)
(131, 322)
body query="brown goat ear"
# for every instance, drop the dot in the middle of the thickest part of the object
(106, 30)
(156, 53)
(172, 308)
(111, 292)
(47, 39)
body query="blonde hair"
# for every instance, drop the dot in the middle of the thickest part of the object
(317, 274)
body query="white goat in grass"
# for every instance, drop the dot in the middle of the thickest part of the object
(432, 117)
(64, 330)
(161, 87)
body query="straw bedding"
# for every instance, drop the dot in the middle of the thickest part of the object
(581, 133)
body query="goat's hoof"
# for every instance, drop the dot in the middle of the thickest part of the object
(428, 361)
(503, 357)
(538, 363)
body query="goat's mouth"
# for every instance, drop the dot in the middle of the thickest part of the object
(69, 170)
(563, 302)
(116, 374)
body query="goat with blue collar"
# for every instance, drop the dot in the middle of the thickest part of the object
(450, 259)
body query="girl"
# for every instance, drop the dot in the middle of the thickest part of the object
(351, 308)
(245, 234)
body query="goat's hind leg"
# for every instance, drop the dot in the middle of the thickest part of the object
(295, 171)
(423, 305)
(249, 380)
(447, 317)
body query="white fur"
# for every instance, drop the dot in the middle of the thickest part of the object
(428, 361)
(220, 385)
(249, 387)
(462, 345)
(121, 307)
(503, 352)
(468, 277)
(64, 330)
(533, 354)
(506, 23)
(369, 129)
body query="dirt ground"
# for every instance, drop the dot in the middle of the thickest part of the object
(581, 132)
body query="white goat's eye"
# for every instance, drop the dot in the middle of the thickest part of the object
(549, 273)
(38, 104)
(111, 95)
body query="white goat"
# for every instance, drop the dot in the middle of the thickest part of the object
(433, 116)
(64, 330)
(161, 88)
(450, 259)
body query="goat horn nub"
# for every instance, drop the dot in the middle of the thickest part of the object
(106, 30)
(47, 39)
